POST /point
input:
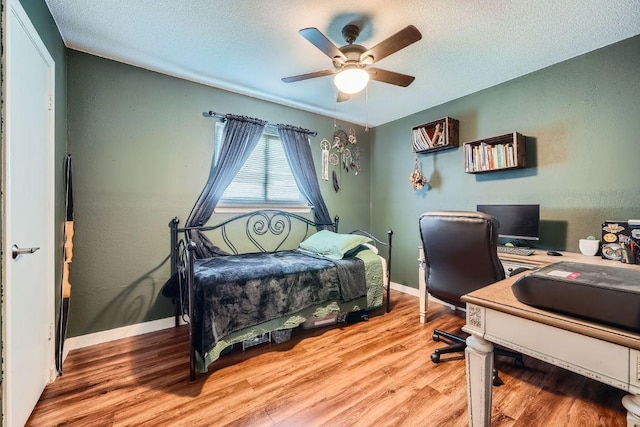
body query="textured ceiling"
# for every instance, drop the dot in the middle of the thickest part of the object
(246, 46)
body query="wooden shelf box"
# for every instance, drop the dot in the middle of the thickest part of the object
(493, 154)
(437, 135)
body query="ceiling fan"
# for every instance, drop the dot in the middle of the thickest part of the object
(352, 62)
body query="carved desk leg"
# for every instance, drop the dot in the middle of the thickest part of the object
(631, 402)
(632, 405)
(479, 361)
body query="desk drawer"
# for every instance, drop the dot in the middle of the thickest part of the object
(603, 361)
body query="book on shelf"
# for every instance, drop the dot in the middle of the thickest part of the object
(485, 157)
(511, 155)
(501, 152)
(419, 144)
(421, 139)
(425, 137)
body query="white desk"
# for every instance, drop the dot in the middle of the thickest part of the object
(494, 315)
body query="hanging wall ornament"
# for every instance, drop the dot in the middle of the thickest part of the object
(355, 164)
(325, 146)
(340, 139)
(352, 136)
(417, 178)
(333, 159)
(336, 181)
(346, 159)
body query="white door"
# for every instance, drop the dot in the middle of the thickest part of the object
(28, 221)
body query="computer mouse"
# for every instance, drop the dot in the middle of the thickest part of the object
(554, 253)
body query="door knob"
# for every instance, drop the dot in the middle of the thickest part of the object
(16, 251)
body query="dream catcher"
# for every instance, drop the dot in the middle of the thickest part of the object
(347, 159)
(325, 146)
(355, 163)
(342, 153)
(340, 140)
(352, 136)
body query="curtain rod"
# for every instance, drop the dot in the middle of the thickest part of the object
(214, 115)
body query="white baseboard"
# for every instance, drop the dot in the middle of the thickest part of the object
(405, 289)
(82, 341)
(416, 293)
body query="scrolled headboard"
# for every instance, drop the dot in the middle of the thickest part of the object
(267, 230)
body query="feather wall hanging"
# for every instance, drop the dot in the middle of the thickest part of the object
(336, 181)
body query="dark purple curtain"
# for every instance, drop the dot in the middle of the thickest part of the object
(296, 145)
(241, 135)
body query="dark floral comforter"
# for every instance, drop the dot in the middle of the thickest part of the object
(240, 291)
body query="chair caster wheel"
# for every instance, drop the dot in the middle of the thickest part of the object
(435, 337)
(435, 358)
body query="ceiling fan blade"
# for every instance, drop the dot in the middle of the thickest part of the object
(320, 41)
(308, 76)
(391, 77)
(343, 97)
(399, 40)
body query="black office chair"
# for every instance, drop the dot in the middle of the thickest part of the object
(460, 255)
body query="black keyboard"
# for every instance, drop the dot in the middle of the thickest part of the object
(514, 250)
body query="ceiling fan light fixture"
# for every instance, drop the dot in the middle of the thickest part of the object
(351, 80)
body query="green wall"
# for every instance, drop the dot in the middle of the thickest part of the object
(142, 153)
(581, 119)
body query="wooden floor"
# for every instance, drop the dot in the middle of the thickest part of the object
(370, 373)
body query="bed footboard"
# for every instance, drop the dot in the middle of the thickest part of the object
(173, 225)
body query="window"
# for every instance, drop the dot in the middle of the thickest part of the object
(265, 180)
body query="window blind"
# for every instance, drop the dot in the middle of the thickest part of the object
(265, 178)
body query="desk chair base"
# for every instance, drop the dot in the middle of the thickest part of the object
(456, 344)
(459, 344)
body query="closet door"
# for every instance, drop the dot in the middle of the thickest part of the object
(28, 224)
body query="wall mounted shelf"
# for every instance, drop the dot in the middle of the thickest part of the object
(434, 136)
(501, 152)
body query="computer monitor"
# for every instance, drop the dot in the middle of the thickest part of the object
(521, 222)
